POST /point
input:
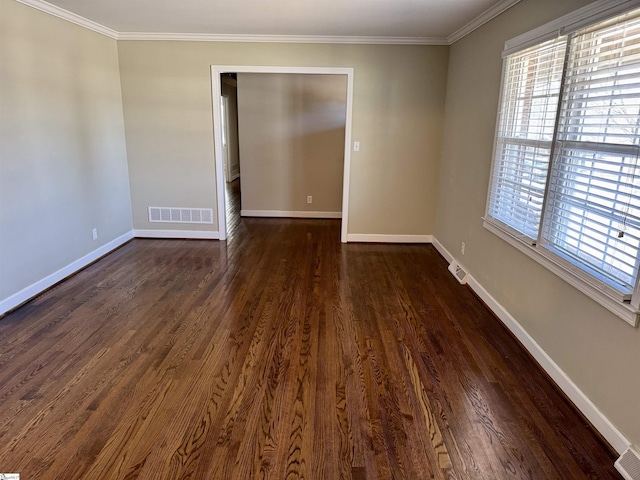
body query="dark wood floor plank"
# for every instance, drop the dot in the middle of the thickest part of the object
(358, 415)
(281, 354)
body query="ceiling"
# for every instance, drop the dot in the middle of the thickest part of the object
(426, 21)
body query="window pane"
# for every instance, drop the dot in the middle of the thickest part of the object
(593, 210)
(526, 122)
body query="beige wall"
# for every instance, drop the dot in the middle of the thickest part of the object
(397, 116)
(292, 131)
(63, 165)
(599, 352)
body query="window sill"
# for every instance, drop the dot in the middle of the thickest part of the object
(594, 291)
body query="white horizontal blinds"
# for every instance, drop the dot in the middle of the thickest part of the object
(593, 207)
(526, 122)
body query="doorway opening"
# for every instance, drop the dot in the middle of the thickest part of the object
(224, 200)
(230, 149)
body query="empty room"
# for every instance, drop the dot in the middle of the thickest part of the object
(326, 240)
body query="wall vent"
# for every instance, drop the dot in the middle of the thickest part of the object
(180, 215)
(629, 465)
(458, 271)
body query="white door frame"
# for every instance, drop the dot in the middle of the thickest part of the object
(216, 94)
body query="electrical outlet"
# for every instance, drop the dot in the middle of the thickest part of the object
(309, 199)
(95, 233)
(462, 245)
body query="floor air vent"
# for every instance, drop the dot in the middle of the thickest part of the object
(629, 465)
(180, 215)
(457, 271)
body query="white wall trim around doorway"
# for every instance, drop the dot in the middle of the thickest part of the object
(216, 94)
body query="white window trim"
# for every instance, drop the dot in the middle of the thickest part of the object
(592, 13)
(592, 288)
(598, 290)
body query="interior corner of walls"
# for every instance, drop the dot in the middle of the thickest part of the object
(442, 250)
(70, 17)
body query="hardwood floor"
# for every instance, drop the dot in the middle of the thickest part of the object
(279, 354)
(234, 221)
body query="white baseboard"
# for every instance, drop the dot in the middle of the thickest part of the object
(40, 286)
(289, 214)
(442, 251)
(384, 238)
(599, 421)
(188, 234)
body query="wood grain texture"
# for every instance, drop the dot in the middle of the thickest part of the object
(279, 354)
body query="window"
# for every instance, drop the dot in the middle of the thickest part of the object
(565, 179)
(531, 89)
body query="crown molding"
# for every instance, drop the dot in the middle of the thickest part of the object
(594, 12)
(70, 17)
(480, 20)
(212, 37)
(589, 14)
